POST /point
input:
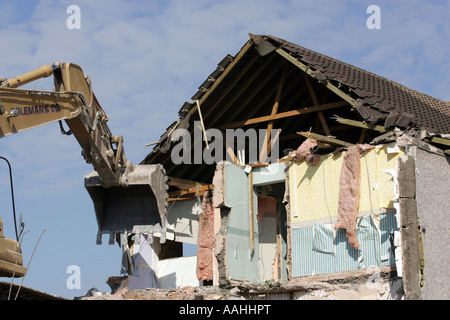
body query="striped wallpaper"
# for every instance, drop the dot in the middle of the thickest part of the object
(317, 248)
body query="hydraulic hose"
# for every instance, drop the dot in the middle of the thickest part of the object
(12, 196)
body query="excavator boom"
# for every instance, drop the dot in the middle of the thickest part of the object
(127, 198)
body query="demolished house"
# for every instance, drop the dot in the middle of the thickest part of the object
(351, 173)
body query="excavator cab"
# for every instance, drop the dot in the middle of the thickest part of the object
(11, 260)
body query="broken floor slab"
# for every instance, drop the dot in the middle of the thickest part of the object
(379, 284)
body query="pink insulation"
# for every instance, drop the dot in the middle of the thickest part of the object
(205, 241)
(349, 192)
(304, 152)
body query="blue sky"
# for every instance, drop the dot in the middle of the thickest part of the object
(145, 59)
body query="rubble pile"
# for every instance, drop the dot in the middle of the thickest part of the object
(356, 284)
(181, 293)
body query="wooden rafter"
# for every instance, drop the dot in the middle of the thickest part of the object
(319, 137)
(316, 103)
(190, 193)
(286, 114)
(268, 137)
(360, 124)
(236, 60)
(306, 69)
(230, 151)
(442, 141)
(183, 183)
(265, 151)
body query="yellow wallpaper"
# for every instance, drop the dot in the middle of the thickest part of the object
(316, 188)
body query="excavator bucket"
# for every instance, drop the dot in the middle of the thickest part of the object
(137, 206)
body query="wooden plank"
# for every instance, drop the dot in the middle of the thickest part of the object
(324, 123)
(441, 141)
(258, 165)
(243, 51)
(202, 123)
(286, 114)
(267, 138)
(319, 137)
(303, 67)
(287, 158)
(264, 152)
(261, 77)
(194, 190)
(362, 136)
(360, 124)
(310, 89)
(316, 103)
(181, 198)
(231, 94)
(230, 151)
(183, 183)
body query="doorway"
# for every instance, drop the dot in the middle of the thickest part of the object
(271, 221)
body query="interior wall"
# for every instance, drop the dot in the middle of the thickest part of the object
(241, 263)
(182, 221)
(267, 246)
(313, 200)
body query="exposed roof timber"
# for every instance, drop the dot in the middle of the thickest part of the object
(361, 124)
(316, 103)
(275, 106)
(296, 136)
(262, 79)
(263, 95)
(217, 110)
(441, 141)
(285, 114)
(183, 183)
(295, 122)
(306, 69)
(245, 87)
(189, 193)
(322, 138)
(362, 135)
(243, 51)
(266, 148)
(378, 99)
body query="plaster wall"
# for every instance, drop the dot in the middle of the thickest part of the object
(316, 247)
(433, 211)
(182, 221)
(241, 264)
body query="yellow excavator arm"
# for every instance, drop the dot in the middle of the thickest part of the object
(73, 101)
(127, 198)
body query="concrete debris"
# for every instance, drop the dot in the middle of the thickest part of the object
(357, 284)
(181, 293)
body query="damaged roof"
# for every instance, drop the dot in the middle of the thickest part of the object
(309, 90)
(376, 98)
